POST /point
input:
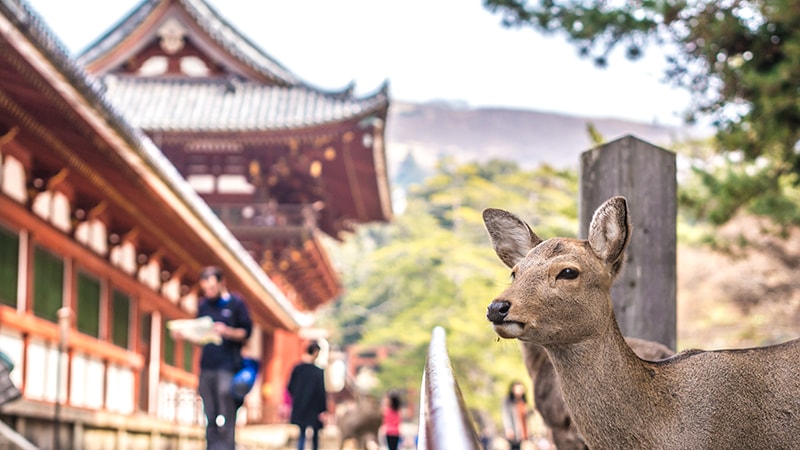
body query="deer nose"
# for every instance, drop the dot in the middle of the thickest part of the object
(497, 310)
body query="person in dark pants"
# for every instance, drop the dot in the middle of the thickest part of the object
(219, 363)
(309, 399)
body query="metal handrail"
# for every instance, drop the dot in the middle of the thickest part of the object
(443, 417)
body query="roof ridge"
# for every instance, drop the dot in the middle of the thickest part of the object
(136, 15)
(221, 31)
(273, 68)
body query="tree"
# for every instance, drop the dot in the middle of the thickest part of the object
(434, 266)
(739, 59)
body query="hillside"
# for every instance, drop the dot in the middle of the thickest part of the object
(432, 130)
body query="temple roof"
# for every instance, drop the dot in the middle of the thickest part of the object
(177, 65)
(180, 72)
(39, 78)
(219, 106)
(209, 104)
(210, 21)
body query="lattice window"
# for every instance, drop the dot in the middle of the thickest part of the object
(48, 284)
(168, 347)
(120, 319)
(9, 267)
(88, 307)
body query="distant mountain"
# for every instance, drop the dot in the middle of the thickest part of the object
(432, 130)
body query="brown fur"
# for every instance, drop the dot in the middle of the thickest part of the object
(560, 299)
(360, 421)
(547, 391)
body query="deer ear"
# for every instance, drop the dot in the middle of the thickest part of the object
(609, 232)
(511, 237)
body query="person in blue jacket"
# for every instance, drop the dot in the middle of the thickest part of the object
(309, 399)
(220, 362)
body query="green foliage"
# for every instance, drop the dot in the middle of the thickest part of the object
(740, 60)
(594, 134)
(722, 186)
(597, 28)
(434, 266)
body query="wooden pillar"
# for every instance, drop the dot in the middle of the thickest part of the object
(644, 294)
(281, 350)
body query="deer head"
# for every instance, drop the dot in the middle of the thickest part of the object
(559, 293)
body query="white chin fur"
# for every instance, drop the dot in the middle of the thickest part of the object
(508, 330)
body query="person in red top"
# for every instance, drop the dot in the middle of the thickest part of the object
(391, 420)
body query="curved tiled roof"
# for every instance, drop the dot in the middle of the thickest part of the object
(203, 104)
(212, 23)
(31, 25)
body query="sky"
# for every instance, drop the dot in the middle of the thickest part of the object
(428, 50)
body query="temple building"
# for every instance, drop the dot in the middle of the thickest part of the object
(170, 143)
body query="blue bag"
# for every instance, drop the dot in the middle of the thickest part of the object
(244, 380)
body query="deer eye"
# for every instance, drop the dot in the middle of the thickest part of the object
(567, 274)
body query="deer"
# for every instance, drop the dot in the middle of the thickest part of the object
(559, 297)
(360, 421)
(547, 396)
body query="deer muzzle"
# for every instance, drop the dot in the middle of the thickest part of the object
(497, 311)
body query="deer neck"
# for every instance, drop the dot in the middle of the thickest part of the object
(603, 382)
(534, 356)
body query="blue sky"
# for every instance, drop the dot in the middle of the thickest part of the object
(429, 50)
